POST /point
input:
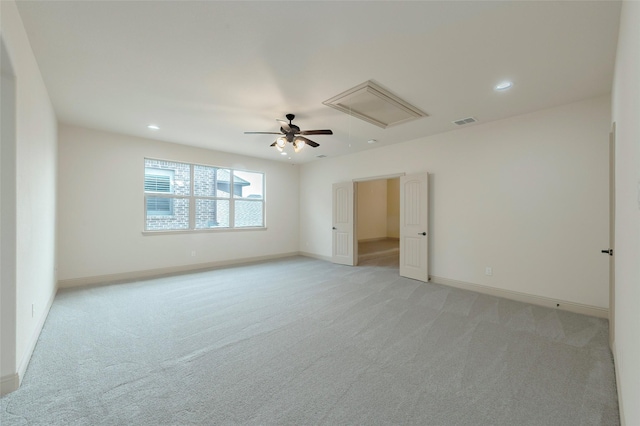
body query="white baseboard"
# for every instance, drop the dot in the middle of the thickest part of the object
(163, 272)
(316, 256)
(9, 383)
(614, 352)
(526, 298)
(24, 362)
(12, 382)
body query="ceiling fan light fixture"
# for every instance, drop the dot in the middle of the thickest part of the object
(298, 144)
(289, 132)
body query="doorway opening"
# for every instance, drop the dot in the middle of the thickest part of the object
(413, 229)
(378, 221)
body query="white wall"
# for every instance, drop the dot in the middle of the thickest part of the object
(372, 210)
(35, 204)
(7, 220)
(527, 196)
(393, 208)
(378, 209)
(626, 115)
(101, 200)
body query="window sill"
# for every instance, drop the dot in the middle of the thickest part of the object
(204, 231)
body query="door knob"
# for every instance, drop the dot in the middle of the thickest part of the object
(609, 252)
(422, 233)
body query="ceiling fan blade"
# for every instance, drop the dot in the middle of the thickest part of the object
(317, 132)
(285, 126)
(262, 133)
(309, 142)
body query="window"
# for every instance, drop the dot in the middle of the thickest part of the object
(248, 198)
(219, 197)
(166, 187)
(158, 180)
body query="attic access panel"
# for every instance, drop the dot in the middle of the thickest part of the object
(372, 103)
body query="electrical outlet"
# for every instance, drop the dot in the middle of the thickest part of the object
(193, 253)
(488, 270)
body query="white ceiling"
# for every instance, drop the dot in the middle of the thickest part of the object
(205, 72)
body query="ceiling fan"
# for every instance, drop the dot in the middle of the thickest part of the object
(291, 133)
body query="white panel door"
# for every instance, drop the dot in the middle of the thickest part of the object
(414, 232)
(343, 251)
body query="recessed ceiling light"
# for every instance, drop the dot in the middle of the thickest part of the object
(153, 127)
(372, 141)
(283, 153)
(505, 85)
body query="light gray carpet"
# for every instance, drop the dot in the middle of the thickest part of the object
(301, 341)
(379, 248)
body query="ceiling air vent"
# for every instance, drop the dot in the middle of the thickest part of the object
(464, 121)
(374, 104)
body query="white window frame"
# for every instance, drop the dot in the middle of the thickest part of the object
(192, 200)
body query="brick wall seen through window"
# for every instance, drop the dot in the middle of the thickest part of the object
(181, 196)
